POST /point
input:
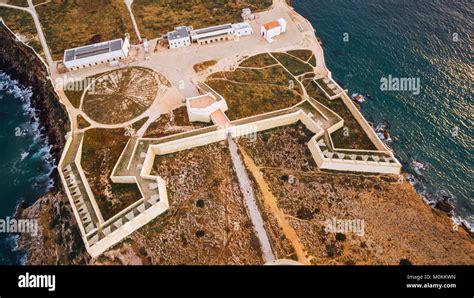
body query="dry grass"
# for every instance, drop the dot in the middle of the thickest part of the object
(121, 95)
(204, 65)
(294, 65)
(304, 55)
(100, 153)
(68, 24)
(74, 97)
(312, 61)
(159, 128)
(275, 75)
(325, 87)
(250, 92)
(155, 18)
(82, 123)
(22, 23)
(207, 212)
(246, 100)
(306, 78)
(23, 3)
(283, 147)
(351, 136)
(172, 123)
(138, 124)
(397, 223)
(260, 60)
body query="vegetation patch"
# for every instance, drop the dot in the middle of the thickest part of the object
(246, 100)
(207, 212)
(82, 123)
(274, 75)
(260, 60)
(159, 128)
(100, 152)
(345, 196)
(138, 124)
(282, 147)
(74, 97)
(294, 65)
(303, 55)
(69, 24)
(325, 87)
(352, 135)
(307, 77)
(250, 92)
(204, 65)
(21, 22)
(156, 18)
(23, 3)
(312, 61)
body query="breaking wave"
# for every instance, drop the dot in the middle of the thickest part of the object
(27, 162)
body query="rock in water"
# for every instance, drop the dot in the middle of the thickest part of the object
(444, 205)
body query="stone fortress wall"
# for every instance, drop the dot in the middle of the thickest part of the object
(103, 235)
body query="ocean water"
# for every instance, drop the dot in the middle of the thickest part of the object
(24, 166)
(427, 40)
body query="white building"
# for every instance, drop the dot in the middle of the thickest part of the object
(242, 29)
(95, 54)
(246, 14)
(204, 108)
(272, 29)
(213, 34)
(179, 37)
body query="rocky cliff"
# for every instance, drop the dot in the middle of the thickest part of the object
(58, 240)
(22, 64)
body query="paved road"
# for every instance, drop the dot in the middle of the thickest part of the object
(47, 53)
(255, 216)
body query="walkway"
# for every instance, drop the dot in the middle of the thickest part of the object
(255, 216)
(129, 3)
(272, 203)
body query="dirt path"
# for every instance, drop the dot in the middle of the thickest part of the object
(271, 203)
(251, 203)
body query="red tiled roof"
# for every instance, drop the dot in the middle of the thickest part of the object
(271, 25)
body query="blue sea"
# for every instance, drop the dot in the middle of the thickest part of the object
(432, 41)
(24, 166)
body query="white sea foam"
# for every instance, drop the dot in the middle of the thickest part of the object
(24, 94)
(24, 155)
(40, 145)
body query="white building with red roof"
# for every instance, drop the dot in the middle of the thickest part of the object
(272, 29)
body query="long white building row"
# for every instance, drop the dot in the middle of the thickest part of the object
(185, 35)
(98, 53)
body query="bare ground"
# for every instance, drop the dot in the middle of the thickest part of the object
(398, 224)
(207, 222)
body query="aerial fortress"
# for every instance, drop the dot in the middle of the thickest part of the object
(190, 68)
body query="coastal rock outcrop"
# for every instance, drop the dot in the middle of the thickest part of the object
(58, 240)
(21, 63)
